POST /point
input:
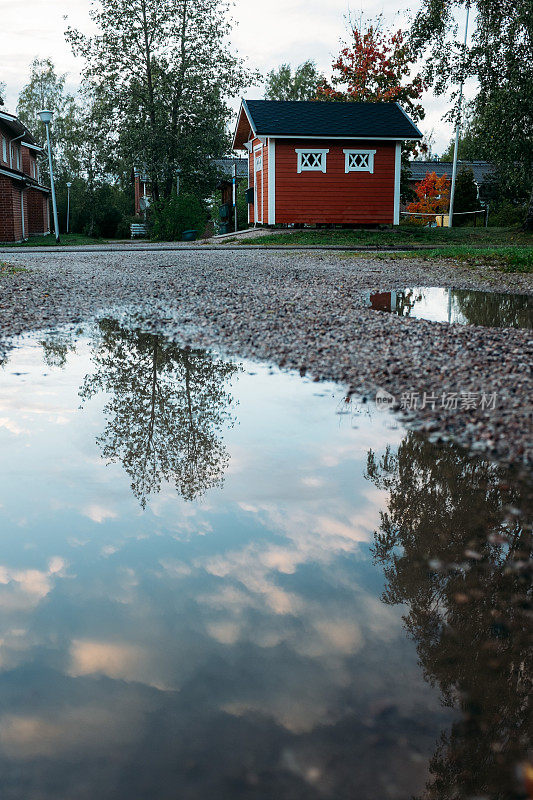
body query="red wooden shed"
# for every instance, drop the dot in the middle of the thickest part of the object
(323, 162)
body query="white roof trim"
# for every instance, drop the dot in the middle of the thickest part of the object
(33, 146)
(17, 176)
(244, 108)
(407, 117)
(21, 176)
(348, 138)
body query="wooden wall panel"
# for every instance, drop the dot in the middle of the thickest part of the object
(336, 196)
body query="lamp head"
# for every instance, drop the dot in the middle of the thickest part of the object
(45, 116)
(69, 184)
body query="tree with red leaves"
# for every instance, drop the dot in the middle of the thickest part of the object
(375, 66)
(433, 195)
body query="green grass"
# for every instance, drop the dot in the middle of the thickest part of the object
(504, 259)
(402, 235)
(10, 269)
(50, 241)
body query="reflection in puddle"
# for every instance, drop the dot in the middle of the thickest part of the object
(462, 567)
(223, 584)
(165, 409)
(464, 306)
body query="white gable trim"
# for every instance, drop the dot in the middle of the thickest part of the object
(244, 108)
(409, 119)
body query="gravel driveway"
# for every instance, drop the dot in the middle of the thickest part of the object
(303, 310)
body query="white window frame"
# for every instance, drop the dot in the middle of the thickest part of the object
(319, 166)
(4, 149)
(349, 166)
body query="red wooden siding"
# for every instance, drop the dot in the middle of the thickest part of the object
(336, 196)
(265, 184)
(251, 181)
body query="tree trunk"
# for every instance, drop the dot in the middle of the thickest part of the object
(176, 103)
(151, 103)
(528, 223)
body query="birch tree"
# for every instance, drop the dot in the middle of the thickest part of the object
(164, 72)
(499, 56)
(166, 410)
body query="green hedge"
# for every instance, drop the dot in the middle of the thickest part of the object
(168, 219)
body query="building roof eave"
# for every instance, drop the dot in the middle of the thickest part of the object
(21, 177)
(18, 128)
(243, 109)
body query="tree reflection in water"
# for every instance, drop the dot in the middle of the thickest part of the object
(165, 412)
(56, 347)
(494, 309)
(456, 548)
(406, 301)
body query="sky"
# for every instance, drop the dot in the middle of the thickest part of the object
(292, 31)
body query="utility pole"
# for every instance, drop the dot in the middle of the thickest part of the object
(458, 127)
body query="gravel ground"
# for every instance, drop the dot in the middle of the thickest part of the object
(302, 310)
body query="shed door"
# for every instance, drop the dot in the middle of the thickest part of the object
(258, 184)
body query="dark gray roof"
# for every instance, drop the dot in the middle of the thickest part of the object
(322, 118)
(481, 169)
(225, 167)
(16, 127)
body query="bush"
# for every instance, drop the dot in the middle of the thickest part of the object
(506, 214)
(98, 212)
(168, 219)
(242, 207)
(123, 228)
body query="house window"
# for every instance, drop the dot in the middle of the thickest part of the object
(312, 160)
(4, 149)
(359, 160)
(258, 162)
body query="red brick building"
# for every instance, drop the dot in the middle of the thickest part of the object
(318, 162)
(24, 207)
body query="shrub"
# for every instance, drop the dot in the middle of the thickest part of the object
(123, 228)
(242, 207)
(506, 214)
(169, 218)
(93, 212)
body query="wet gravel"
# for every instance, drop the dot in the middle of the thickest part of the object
(304, 310)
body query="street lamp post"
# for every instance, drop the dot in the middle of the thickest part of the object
(46, 117)
(68, 202)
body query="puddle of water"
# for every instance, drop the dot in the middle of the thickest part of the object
(217, 581)
(463, 306)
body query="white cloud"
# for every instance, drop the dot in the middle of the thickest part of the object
(98, 513)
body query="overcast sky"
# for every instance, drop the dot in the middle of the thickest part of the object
(290, 31)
